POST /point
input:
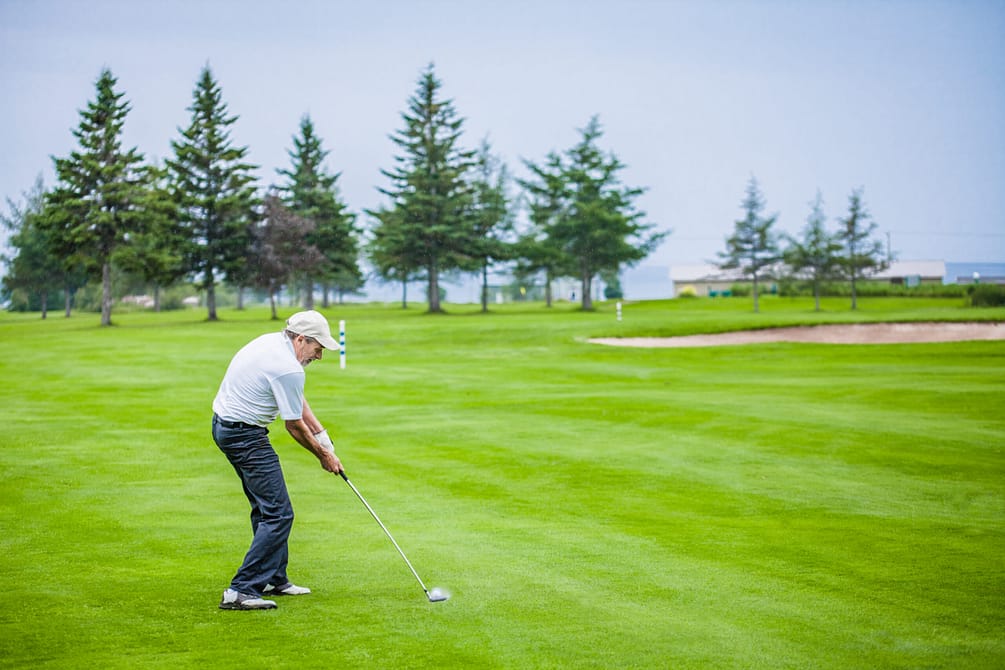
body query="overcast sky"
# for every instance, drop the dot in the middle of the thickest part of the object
(905, 99)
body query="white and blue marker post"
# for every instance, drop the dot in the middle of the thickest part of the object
(341, 344)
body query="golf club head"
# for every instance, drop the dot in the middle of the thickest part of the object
(437, 595)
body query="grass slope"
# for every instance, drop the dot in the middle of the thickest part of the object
(763, 506)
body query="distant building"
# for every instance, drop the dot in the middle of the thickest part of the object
(708, 280)
(704, 279)
(653, 282)
(912, 273)
(969, 273)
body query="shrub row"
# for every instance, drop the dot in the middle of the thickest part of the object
(986, 295)
(867, 289)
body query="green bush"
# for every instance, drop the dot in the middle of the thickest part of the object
(88, 298)
(986, 295)
(871, 289)
(24, 301)
(171, 298)
(878, 289)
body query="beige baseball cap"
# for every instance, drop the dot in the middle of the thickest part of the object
(313, 324)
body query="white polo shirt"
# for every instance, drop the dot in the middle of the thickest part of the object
(264, 380)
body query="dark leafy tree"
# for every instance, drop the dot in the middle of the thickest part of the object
(430, 194)
(492, 217)
(32, 270)
(279, 247)
(312, 193)
(816, 256)
(862, 254)
(96, 203)
(753, 247)
(215, 191)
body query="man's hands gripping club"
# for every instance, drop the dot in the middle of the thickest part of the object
(329, 461)
(329, 447)
(319, 444)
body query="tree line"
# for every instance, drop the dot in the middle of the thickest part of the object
(202, 216)
(819, 255)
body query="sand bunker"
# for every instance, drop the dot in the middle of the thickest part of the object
(858, 333)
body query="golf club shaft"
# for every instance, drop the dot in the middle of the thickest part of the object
(386, 531)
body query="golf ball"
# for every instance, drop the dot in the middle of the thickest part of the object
(438, 594)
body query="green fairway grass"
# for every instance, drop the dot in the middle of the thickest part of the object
(759, 506)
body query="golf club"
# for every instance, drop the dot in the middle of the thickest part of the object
(436, 595)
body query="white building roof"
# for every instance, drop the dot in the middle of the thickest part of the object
(710, 272)
(702, 272)
(927, 269)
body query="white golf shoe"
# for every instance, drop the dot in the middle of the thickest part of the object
(287, 589)
(232, 600)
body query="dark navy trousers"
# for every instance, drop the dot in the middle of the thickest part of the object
(248, 449)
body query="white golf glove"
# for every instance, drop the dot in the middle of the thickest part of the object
(325, 441)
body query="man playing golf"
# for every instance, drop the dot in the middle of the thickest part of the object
(265, 379)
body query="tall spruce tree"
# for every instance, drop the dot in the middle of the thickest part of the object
(753, 246)
(492, 218)
(815, 256)
(861, 253)
(156, 251)
(391, 252)
(597, 227)
(215, 191)
(430, 195)
(546, 199)
(312, 193)
(96, 203)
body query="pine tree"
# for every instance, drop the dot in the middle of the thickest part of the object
(215, 192)
(547, 198)
(391, 251)
(861, 254)
(156, 252)
(753, 246)
(95, 205)
(597, 227)
(312, 193)
(430, 197)
(817, 254)
(492, 218)
(32, 271)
